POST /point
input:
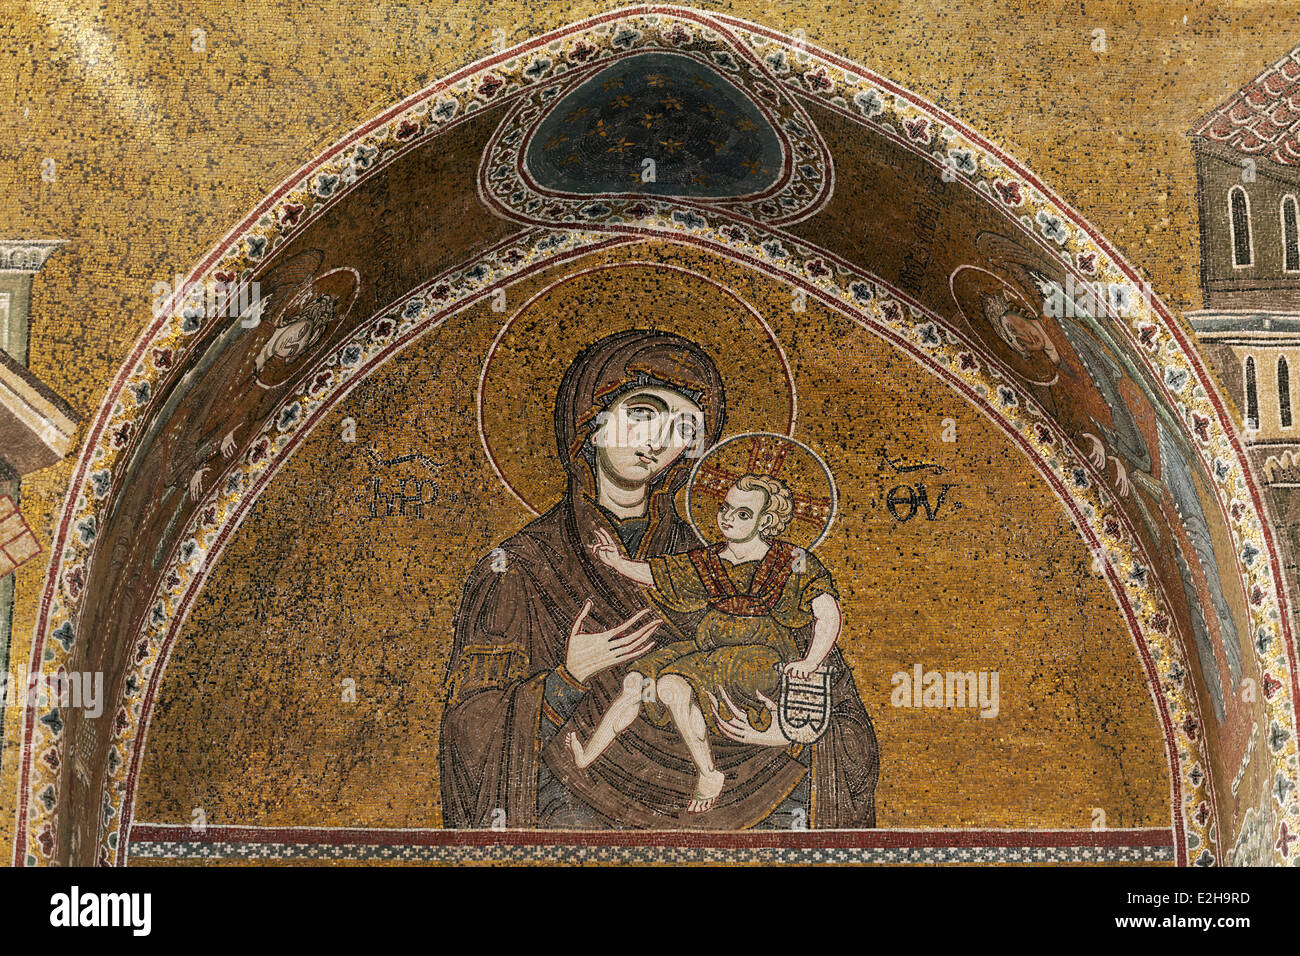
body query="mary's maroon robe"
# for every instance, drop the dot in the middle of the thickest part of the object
(511, 702)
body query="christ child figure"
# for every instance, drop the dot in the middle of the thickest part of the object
(759, 594)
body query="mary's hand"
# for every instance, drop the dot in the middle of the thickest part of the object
(605, 550)
(738, 727)
(592, 652)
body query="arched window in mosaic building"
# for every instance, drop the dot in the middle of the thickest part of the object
(1252, 395)
(1284, 391)
(1239, 217)
(1290, 236)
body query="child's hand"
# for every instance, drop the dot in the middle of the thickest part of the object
(802, 669)
(605, 550)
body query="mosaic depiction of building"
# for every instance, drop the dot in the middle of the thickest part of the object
(318, 510)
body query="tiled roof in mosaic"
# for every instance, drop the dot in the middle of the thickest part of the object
(1263, 117)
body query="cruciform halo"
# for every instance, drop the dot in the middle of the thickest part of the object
(768, 453)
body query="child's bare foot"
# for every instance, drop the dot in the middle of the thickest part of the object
(707, 788)
(579, 754)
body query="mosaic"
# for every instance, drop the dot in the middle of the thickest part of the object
(664, 440)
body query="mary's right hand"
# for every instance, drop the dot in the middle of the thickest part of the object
(605, 550)
(590, 652)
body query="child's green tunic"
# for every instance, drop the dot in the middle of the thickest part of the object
(749, 631)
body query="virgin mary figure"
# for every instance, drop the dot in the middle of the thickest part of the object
(544, 634)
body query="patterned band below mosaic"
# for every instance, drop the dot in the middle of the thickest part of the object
(159, 842)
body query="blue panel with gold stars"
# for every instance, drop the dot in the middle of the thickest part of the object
(704, 138)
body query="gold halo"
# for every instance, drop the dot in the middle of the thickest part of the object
(342, 284)
(968, 283)
(522, 371)
(804, 472)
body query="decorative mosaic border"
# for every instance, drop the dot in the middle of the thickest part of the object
(576, 854)
(879, 102)
(308, 844)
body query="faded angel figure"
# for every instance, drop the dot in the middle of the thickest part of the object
(756, 590)
(546, 634)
